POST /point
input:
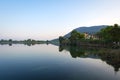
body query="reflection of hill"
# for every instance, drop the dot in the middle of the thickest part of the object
(110, 56)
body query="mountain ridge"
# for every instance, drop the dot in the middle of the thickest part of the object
(90, 30)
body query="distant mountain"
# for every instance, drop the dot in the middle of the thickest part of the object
(90, 30)
(55, 42)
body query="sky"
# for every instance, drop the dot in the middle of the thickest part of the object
(49, 19)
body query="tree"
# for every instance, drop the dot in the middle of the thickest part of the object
(75, 36)
(61, 39)
(2, 40)
(10, 40)
(105, 33)
(115, 33)
(110, 33)
(29, 40)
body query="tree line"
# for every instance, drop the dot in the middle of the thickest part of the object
(110, 34)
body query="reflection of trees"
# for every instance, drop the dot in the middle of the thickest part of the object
(10, 44)
(78, 51)
(75, 52)
(110, 56)
(28, 42)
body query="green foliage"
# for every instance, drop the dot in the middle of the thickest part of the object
(110, 33)
(61, 39)
(75, 36)
(10, 40)
(115, 33)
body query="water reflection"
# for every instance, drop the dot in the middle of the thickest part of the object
(110, 56)
(10, 44)
(28, 44)
(45, 62)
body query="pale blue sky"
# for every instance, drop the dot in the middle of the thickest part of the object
(49, 19)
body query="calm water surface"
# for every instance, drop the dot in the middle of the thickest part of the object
(49, 62)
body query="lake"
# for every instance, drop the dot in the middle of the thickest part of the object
(50, 62)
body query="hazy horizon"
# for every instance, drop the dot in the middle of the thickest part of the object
(49, 19)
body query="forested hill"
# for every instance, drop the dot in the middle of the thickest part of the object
(90, 30)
